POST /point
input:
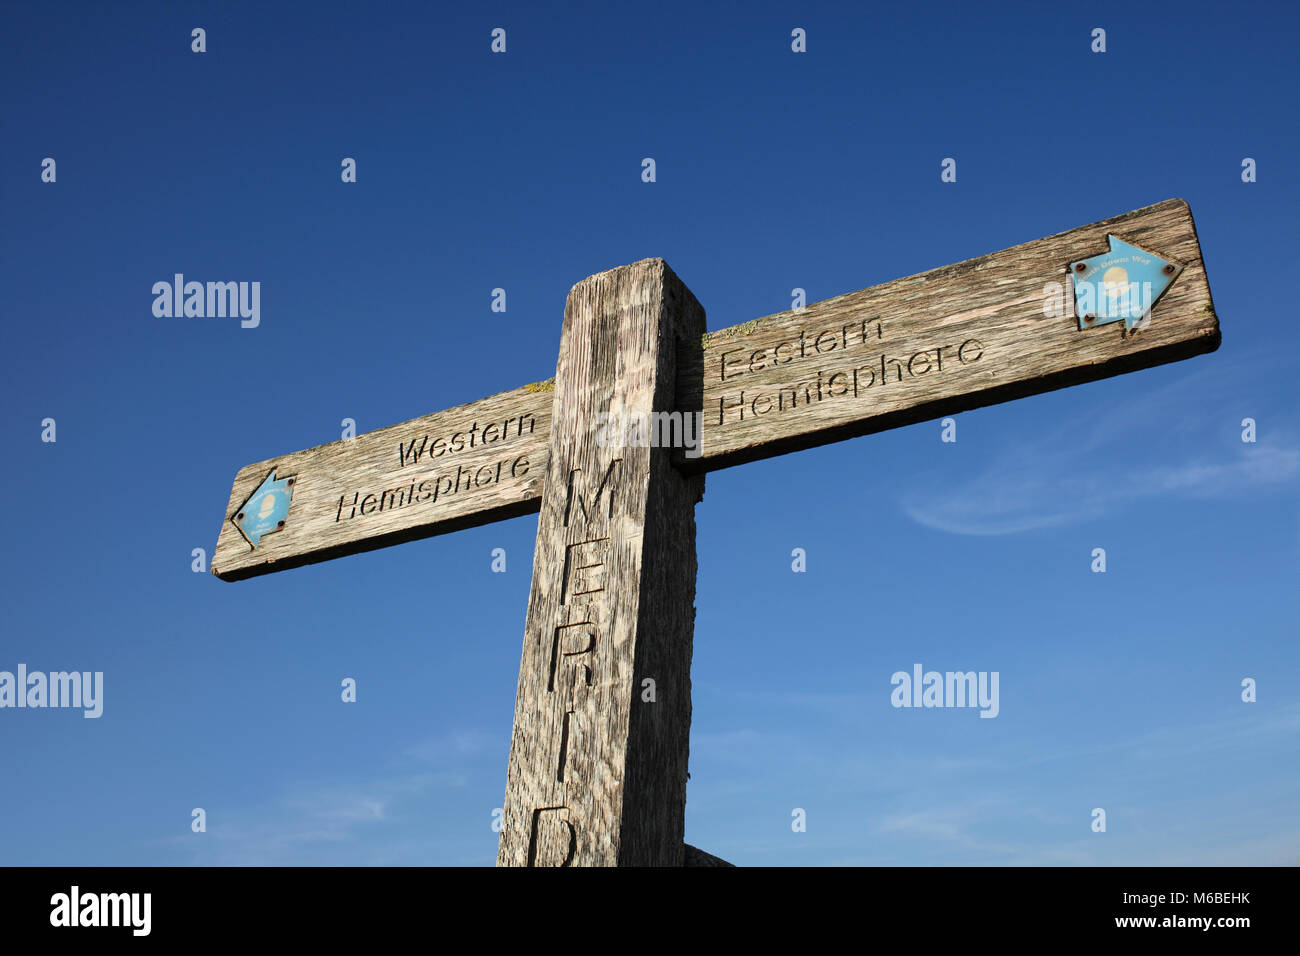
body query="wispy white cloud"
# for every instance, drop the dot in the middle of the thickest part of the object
(1071, 474)
(456, 744)
(361, 822)
(301, 827)
(1019, 802)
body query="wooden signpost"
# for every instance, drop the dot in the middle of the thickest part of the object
(597, 769)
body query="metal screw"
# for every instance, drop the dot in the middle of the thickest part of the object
(1088, 319)
(290, 481)
(1169, 270)
(239, 517)
(279, 524)
(1080, 267)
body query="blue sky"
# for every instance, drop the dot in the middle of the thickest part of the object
(775, 170)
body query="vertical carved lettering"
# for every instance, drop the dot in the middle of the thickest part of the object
(572, 659)
(573, 662)
(584, 570)
(554, 839)
(607, 488)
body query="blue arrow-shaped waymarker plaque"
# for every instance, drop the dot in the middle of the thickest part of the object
(1123, 283)
(266, 510)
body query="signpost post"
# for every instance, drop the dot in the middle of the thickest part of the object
(613, 453)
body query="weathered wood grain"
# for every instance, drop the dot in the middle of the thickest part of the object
(597, 770)
(879, 358)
